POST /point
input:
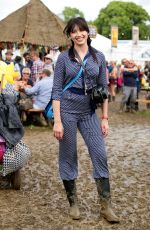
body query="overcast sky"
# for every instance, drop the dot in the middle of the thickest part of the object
(90, 8)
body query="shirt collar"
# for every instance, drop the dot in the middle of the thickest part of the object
(72, 55)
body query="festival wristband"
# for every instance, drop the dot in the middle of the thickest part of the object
(104, 118)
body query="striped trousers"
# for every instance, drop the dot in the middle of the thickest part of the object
(89, 127)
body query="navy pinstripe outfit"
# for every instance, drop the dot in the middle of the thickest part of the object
(76, 112)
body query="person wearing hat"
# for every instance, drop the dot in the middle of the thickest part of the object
(48, 63)
(8, 55)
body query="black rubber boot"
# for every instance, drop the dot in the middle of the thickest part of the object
(103, 188)
(16, 180)
(109, 98)
(121, 108)
(70, 188)
(113, 98)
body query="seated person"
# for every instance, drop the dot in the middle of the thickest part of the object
(41, 90)
(26, 81)
(24, 102)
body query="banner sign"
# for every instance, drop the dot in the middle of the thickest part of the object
(93, 31)
(135, 35)
(114, 36)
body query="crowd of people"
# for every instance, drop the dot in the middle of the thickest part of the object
(127, 78)
(35, 79)
(40, 79)
(36, 70)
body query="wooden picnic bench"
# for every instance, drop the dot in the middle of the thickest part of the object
(34, 111)
(39, 112)
(145, 101)
(145, 89)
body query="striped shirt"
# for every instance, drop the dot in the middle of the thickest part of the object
(36, 70)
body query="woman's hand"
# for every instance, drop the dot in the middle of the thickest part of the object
(58, 130)
(105, 127)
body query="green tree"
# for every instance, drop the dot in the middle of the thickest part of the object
(125, 15)
(144, 31)
(69, 13)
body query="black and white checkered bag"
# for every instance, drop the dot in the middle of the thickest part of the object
(15, 158)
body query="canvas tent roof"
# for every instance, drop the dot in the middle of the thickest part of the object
(35, 24)
(101, 43)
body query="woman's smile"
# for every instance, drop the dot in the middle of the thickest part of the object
(79, 38)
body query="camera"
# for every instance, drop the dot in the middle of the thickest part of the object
(99, 95)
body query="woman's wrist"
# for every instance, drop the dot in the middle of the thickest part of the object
(104, 117)
(57, 121)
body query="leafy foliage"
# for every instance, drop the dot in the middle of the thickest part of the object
(125, 15)
(70, 12)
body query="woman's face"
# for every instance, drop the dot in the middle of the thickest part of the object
(79, 37)
(25, 76)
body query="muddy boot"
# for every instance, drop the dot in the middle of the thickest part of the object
(133, 111)
(5, 182)
(70, 188)
(121, 108)
(127, 109)
(38, 119)
(16, 180)
(109, 98)
(113, 98)
(103, 189)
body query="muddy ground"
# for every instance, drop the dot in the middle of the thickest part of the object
(41, 203)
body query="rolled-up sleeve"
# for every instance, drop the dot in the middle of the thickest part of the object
(59, 74)
(102, 80)
(33, 90)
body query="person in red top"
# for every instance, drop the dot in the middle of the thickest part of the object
(113, 80)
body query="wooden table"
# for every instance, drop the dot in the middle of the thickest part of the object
(145, 101)
(146, 90)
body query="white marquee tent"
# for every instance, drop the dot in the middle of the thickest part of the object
(103, 44)
(125, 49)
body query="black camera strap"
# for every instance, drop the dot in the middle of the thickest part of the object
(98, 94)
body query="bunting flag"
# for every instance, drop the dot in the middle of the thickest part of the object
(93, 31)
(135, 35)
(114, 36)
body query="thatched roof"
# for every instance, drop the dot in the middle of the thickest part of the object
(35, 23)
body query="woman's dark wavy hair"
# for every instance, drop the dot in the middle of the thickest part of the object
(83, 26)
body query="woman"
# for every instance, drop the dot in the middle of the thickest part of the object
(18, 65)
(113, 80)
(26, 80)
(73, 110)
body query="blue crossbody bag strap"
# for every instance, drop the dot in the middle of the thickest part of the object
(75, 78)
(48, 112)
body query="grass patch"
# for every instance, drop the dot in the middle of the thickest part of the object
(145, 112)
